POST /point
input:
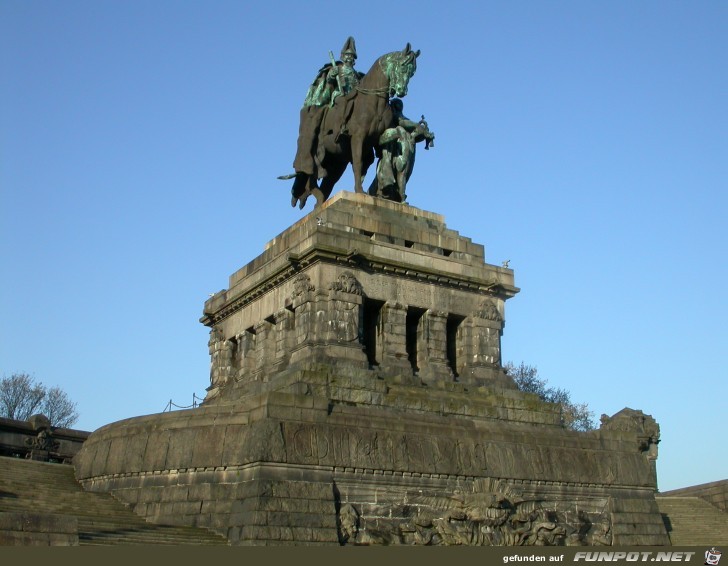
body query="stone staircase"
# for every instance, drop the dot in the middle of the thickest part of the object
(51, 490)
(692, 521)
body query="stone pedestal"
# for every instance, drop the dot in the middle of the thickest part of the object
(368, 283)
(357, 397)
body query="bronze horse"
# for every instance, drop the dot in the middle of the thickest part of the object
(350, 130)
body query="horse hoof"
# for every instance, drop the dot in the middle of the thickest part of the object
(320, 198)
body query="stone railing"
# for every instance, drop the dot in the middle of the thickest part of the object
(35, 439)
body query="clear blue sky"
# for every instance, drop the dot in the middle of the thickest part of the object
(587, 142)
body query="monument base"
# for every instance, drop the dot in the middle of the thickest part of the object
(357, 397)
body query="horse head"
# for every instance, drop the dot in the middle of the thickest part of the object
(399, 67)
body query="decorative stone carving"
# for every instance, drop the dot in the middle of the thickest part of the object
(221, 360)
(348, 522)
(481, 338)
(488, 311)
(645, 429)
(344, 322)
(43, 441)
(630, 420)
(599, 535)
(327, 326)
(347, 283)
(303, 323)
(487, 345)
(492, 514)
(301, 286)
(339, 321)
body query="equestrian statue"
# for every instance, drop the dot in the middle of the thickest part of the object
(348, 117)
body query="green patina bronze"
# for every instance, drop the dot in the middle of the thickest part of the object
(334, 79)
(397, 160)
(342, 119)
(399, 69)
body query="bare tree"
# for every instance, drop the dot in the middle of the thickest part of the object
(575, 416)
(21, 397)
(59, 409)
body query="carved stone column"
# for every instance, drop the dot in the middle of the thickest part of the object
(221, 361)
(392, 340)
(245, 355)
(481, 347)
(264, 349)
(342, 331)
(327, 325)
(432, 347)
(303, 302)
(284, 337)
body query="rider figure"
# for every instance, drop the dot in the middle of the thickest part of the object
(331, 82)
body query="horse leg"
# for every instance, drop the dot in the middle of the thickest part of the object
(299, 189)
(320, 198)
(336, 170)
(312, 188)
(357, 150)
(303, 187)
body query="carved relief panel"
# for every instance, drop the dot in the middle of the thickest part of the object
(489, 513)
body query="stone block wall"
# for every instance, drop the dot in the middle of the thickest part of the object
(282, 466)
(247, 504)
(637, 522)
(32, 529)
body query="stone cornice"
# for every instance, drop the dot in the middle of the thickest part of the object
(353, 259)
(379, 476)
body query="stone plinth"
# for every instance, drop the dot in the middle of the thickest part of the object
(364, 283)
(357, 397)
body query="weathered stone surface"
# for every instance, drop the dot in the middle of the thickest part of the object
(33, 529)
(36, 439)
(348, 281)
(357, 397)
(715, 493)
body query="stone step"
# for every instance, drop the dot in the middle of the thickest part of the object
(62, 505)
(691, 521)
(51, 489)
